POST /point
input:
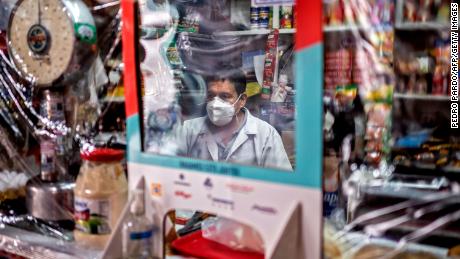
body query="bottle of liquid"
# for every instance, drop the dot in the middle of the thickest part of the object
(138, 231)
(281, 90)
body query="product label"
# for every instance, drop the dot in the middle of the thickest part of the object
(60, 145)
(52, 107)
(47, 156)
(330, 202)
(140, 243)
(86, 32)
(141, 235)
(92, 216)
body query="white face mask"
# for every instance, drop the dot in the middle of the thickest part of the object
(220, 112)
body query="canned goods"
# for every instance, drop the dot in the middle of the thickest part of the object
(52, 105)
(264, 12)
(263, 24)
(254, 18)
(264, 17)
(254, 12)
(286, 17)
(286, 22)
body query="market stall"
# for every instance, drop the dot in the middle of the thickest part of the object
(62, 129)
(254, 129)
(391, 152)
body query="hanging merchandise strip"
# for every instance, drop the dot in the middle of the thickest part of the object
(49, 113)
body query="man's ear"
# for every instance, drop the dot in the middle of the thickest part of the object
(243, 100)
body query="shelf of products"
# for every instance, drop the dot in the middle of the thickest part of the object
(254, 32)
(396, 126)
(40, 210)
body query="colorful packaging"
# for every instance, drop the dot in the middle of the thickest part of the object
(254, 17)
(271, 50)
(286, 17)
(264, 17)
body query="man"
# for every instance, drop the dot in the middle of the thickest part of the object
(229, 133)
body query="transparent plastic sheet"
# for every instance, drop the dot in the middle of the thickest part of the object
(387, 139)
(232, 234)
(188, 45)
(217, 84)
(60, 71)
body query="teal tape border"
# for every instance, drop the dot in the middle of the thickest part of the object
(308, 172)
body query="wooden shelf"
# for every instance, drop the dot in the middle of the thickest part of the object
(340, 28)
(422, 26)
(354, 27)
(253, 32)
(113, 99)
(402, 26)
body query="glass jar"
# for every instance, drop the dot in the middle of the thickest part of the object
(101, 192)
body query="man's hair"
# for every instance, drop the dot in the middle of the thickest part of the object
(237, 78)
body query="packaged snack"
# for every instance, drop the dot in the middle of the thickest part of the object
(271, 50)
(286, 17)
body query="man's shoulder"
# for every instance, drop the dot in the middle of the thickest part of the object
(195, 124)
(260, 125)
(194, 121)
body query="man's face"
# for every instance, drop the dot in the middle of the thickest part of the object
(226, 91)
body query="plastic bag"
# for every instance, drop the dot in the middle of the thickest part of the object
(232, 234)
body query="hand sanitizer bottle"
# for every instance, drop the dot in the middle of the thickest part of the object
(138, 230)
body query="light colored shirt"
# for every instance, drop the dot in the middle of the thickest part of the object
(257, 143)
(225, 148)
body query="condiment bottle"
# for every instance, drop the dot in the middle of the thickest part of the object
(100, 194)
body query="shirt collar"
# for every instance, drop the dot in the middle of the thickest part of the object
(248, 126)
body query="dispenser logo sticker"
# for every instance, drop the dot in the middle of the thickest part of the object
(208, 183)
(156, 189)
(182, 181)
(182, 194)
(222, 203)
(240, 188)
(264, 209)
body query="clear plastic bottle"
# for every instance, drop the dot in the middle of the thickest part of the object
(138, 231)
